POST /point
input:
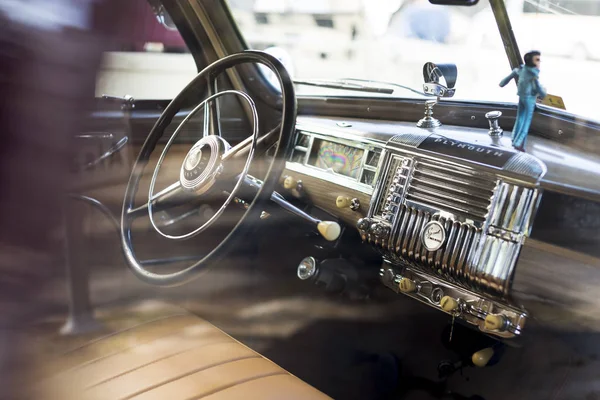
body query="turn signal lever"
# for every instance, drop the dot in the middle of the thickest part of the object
(330, 230)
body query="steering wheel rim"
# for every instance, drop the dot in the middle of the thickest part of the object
(252, 214)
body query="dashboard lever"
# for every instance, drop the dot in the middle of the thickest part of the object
(330, 230)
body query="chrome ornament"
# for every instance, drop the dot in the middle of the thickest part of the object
(433, 236)
(202, 164)
(193, 158)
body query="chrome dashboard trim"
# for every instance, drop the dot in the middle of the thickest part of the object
(356, 143)
(484, 210)
(485, 221)
(473, 307)
(379, 182)
(482, 192)
(521, 168)
(525, 164)
(339, 136)
(539, 273)
(329, 177)
(348, 134)
(411, 139)
(562, 176)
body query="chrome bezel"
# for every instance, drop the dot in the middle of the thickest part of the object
(353, 141)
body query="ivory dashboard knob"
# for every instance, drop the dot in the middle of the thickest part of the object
(342, 202)
(495, 322)
(289, 182)
(330, 230)
(407, 285)
(482, 357)
(448, 303)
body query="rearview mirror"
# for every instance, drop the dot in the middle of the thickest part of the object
(454, 2)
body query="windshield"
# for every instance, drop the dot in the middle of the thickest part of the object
(390, 40)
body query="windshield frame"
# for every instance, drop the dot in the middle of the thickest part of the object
(507, 34)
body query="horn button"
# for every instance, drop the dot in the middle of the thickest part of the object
(202, 164)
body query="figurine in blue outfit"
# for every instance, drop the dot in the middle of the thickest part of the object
(528, 89)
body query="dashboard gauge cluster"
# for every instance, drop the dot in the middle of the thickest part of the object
(346, 162)
(337, 158)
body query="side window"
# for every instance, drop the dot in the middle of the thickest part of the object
(145, 60)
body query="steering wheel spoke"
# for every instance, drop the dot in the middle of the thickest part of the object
(171, 196)
(211, 124)
(262, 145)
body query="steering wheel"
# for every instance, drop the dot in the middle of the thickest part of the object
(204, 166)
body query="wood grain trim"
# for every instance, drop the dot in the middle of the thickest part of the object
(323, 194)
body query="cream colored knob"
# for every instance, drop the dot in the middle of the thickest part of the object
(495, 322)
(482, 357)
(330, 230)
(448, 303)
(342, 202)
(407, 285)
(289, 182)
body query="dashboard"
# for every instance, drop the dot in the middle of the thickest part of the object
(447, 208)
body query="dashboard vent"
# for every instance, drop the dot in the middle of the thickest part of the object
(451, 188)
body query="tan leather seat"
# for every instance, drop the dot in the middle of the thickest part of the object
(176, 357)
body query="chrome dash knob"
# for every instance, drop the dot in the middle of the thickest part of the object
(363, 224)
(493, 117)
(380, 230)
(307, 268)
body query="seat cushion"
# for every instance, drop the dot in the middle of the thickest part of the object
(175, 357)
